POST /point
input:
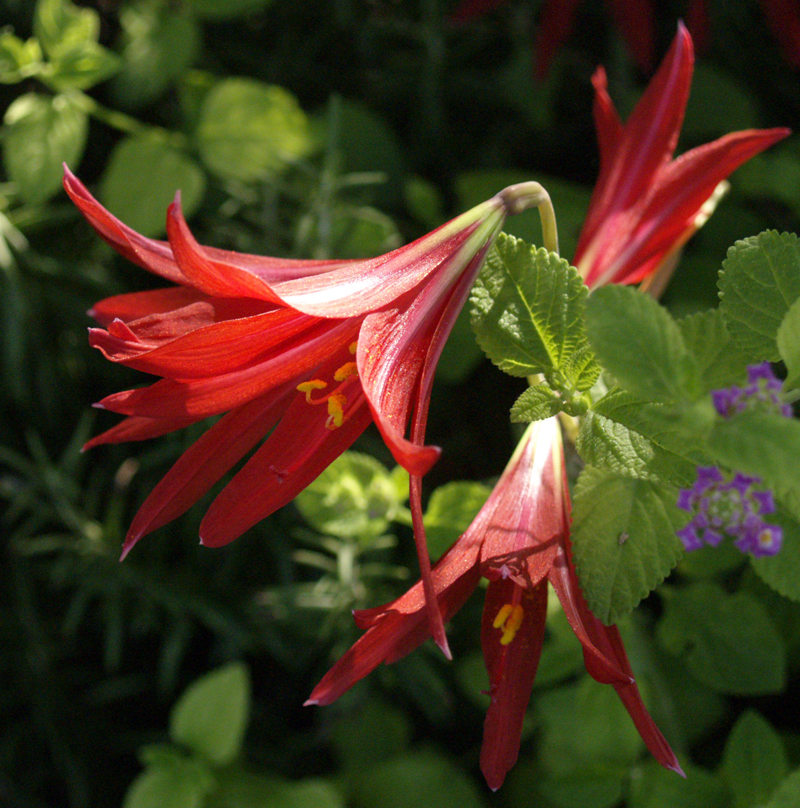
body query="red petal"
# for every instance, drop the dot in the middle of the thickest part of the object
(137, 428)
(205, 462)
(204, 397)
(512, 669)
(298, 450)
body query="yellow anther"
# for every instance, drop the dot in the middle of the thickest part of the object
(310, 386)
(336, 404)
(502, 615)
(353, 348)
(347, 370)
(509, 618)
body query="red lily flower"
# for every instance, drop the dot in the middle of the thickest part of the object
(645, 205)
(267, 341)
(518, 541)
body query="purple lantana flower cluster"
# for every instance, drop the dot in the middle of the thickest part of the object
(762, 393)
(729, 507)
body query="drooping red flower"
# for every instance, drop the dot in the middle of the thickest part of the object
(309, 352)
(645, 204)
(519, 541)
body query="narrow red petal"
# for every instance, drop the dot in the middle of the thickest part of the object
(205, 462)
(298, 450)
(512, 670)
(137, 428)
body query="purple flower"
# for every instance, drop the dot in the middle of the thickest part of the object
(763, 392)
(729, 507)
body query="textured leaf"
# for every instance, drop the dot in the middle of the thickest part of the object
(536, 404)
(759, 282)
(624, 542)
(141, 179)
(642, 347)
(354, 497)
(41, 133)
(621, 434)
(754, 762)
(762, 444)
(719, 359)
(788, 340)
(211, 716)
(248, 130)
(527, 309)
(728, 642)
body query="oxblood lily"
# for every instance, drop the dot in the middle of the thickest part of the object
(645, 205)
(267, 341)
(519, 541)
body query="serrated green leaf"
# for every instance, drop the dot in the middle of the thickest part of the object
(754, 762)
(760, 280)
(174, 781)
(18, 59)
(354, 498)
(41, 133)
(624, 542)
(788, 341)
(728, 642)
(60, 25)
(451, 509)
(719, 359)
(535, 404)
(159, 43)
(211, 716)
(140, 181)
(639, 343)
(762, 444)
(782, 570)
(527, 308)
(248, 130)
(787, 794)
(621, 433)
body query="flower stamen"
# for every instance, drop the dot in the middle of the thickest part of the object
(509, 619)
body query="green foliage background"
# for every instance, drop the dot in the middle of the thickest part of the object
(342, 128)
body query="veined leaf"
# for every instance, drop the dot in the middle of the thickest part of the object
(782, 571)
(536, 404)
(621, 433)
(624, 542)
(527, 309)
(788, 340)
(760, 280)
(639, 343)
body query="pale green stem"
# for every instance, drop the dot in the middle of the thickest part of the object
(525, 195)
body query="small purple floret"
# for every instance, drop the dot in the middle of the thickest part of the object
(729, 507)
(763, 392)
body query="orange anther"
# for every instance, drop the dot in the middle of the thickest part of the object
(347, 370)
(336, 404)
(310, 386)
(509, 618)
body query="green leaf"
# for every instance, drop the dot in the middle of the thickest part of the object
(788, 793)
(400, 781)
(527, 308)
(720, 361)
(241, 789)
(140, 181)
(657, 787)
(174, 781)
(754, 762)
(354, 498)
(41, 133)
(211, 716)
(18, 59)
(621, 433)
(761, 444)
(728, 642)
(159, 43)
(760, 280)
(451, 509)
(782, 571)
(227, 9)
(639, 343)
(80, 67)
(536, 403)
(624, 542)
(248, 130)
(60, 26)
(788, 341)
